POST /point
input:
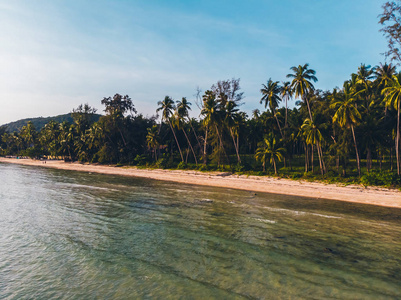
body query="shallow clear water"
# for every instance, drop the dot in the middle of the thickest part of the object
(71, 235)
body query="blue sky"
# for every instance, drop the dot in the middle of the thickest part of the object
(55, 54)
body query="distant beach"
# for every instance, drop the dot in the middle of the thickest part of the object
(351, 193)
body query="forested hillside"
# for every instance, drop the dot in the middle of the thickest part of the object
(40, 122)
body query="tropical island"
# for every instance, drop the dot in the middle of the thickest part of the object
(284, 184)
(348, 135)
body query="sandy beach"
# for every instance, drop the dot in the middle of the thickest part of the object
(358, 194)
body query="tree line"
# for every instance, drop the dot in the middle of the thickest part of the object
(352, 131)
(326, 132)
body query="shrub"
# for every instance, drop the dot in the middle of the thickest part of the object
(140, 160)
(381, 178)
(182, 166)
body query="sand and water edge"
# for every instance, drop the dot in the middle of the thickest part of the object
(351, 193)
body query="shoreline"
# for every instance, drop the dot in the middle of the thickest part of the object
(352, 193)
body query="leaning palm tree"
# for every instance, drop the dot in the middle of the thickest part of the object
(392, 98)
(179, 122)
(167, 107)
(347, 115)
(302, 83)
(286, 94)
(271, 98)
(269, 150)
(183, 108)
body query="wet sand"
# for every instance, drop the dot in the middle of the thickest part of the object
(351, 193)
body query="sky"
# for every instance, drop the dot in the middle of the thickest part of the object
(57, 54)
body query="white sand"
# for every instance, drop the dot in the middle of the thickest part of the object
(358, 194)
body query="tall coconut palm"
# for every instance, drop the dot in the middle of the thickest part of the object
(152, 139)
(232, 119)
(365, 75)
(167, 108)
(183, 108)
(347, 115)
(28, 134)
(212, 118)
(392, 98)
(179, 122)
(286, 95)
(271, 98)
(66, 138)
(49, 137)
(269, 150)
(314, 137)
(301, 84)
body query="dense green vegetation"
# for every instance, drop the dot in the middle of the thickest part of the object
(40, 122)
(349, 134)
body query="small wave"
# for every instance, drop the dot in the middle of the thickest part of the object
(297, 212)
(326, 216)
(91, 187)
(266, 221)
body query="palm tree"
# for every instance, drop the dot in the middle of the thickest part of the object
(302, 83)
(28, 134)
(364, 77)
(384, 74)
(347, 115)
(66, 138)
(268, 150)
(212, 118)
(392, 98)
(152, 139)
(271, 98)
(49, 137)
(183, 108)
(179, 122)
(167, 107)
(286, 94)
(314, 137)
(232, 119)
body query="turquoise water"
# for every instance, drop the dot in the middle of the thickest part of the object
(71, 235)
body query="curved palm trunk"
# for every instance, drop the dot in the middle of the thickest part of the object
(196, 136)
(222, 146)
(176, 140)
(189, 143)
(320, 158)
(278, 123)
(323, 164)
(397, 145)
(122, 136)
(356, 151)
(204, 147)
(307, 103)
(306, 158)
(286, 109)
(235, 146)
(274, 165)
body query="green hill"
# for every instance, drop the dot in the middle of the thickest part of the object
(40, 122)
